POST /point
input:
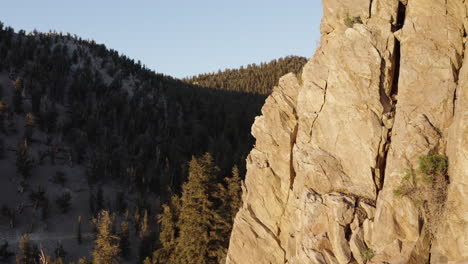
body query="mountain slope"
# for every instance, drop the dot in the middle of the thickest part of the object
(81, 121)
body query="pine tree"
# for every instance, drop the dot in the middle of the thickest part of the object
(29, 128)
(234, 192)
(168, 221)
(147, 261)
(124, 243)
(83, 261)
(106, 250)
(17, 96)
(24, 162)
(3, 114)
(136, 219)
(197, 213)
(28, 253)
(144, 230)
(78, 231)
(145, 237)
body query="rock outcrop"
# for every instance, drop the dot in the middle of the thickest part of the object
(387, 85)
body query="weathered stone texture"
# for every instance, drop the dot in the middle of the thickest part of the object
(387, 84)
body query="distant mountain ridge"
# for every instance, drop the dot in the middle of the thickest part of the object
(253, 78)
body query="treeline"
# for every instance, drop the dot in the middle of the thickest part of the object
(195, 226)
(143, 135)
(128, 124)
(258, 79)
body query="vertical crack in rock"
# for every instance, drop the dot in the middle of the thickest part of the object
(292, 177)
(320, 110)
(292, 172)
(379, 173)
(370, 8)
(456, 73)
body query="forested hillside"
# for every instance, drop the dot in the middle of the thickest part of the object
(91, 138)
(257, 79)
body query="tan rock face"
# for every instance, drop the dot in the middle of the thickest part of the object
(387, 84)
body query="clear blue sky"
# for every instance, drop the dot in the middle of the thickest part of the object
(180, 37)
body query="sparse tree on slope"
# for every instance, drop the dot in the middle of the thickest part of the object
(107, 249)
(29, 128)
(234, 192)
(28, 254)
(17, 95)
(167, 236)
(24, 162)
(145, 237)
(3, 115)
(124, 243)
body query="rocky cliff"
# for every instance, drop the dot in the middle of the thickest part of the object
(335, 174)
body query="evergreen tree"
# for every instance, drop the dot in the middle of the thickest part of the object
(3, 115)
(78, 231)
(145, 229)
(145, 237)
(147, 261)
(29, 128)
(136, 219)
(27, 254)
(83, 261)
(197, 214)
(124, 243)
(24, 162)
(106, 250)
(17, 95)
(234, 192)
(168, 221)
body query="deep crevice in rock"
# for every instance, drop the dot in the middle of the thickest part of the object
(456, 74)
(320, 110)
(347, 232)
(292, 172)
(379, 172)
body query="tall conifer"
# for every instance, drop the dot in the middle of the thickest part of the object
(197, 212)
(107, 249)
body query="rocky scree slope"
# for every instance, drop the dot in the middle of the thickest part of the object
(387, 86)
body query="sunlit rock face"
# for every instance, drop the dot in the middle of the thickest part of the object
(387, 84)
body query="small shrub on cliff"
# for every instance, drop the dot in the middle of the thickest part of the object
(402, 190)
(368, 254)
(350, 21)
(407, 186)
(427, 189)
(433, 164)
